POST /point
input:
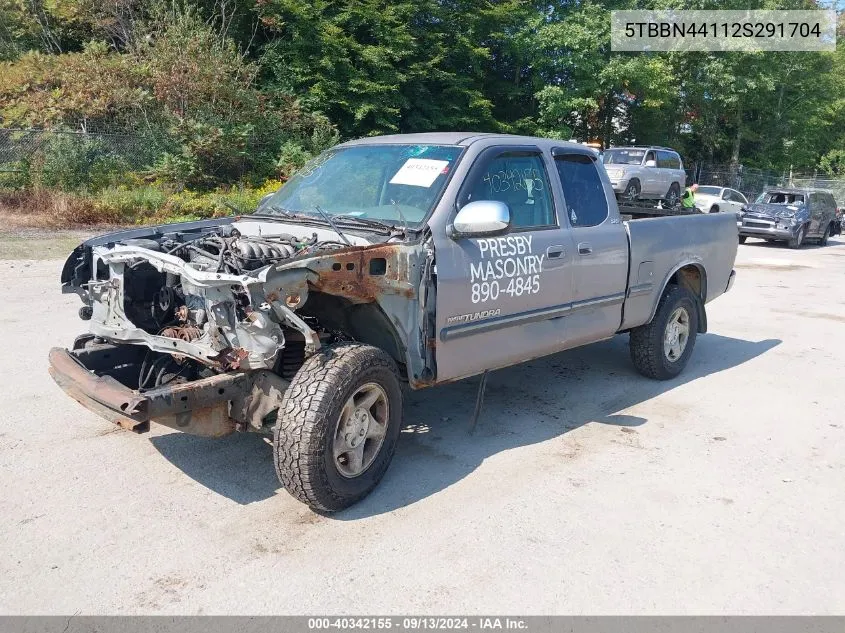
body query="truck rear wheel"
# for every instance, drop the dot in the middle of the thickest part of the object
(661, 348)
(823, 239)
(338, 426)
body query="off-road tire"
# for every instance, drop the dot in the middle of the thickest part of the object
(742, 239)
(646, 341)
(303, 436)
(798, 240)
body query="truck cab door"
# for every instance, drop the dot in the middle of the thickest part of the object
(501, 299)
(600, 269)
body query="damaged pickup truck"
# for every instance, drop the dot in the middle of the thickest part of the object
(418, 259)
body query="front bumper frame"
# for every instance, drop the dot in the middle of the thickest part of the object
(91, 377)
(772, 232)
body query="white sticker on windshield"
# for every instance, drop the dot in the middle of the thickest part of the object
(419, 172)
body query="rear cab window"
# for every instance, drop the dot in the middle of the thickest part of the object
(583, 190)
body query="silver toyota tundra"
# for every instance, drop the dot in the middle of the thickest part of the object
(418, 259)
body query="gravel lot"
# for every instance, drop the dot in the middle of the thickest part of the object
(586, 488)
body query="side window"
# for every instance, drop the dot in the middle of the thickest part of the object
(650, 156)
(664, 160)
(814, 201)
(676, 161)
(738, 197)
(519, 180)
(586, 204)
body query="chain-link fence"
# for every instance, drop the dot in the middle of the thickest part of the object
(20, 148)
(75, 160)
(86, 156)
(752, 182)
(834, 186)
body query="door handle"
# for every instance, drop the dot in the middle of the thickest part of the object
(585, 249)
(555, 252)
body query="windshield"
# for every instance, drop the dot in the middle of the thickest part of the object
(780, 197)
(623, 156)
(709, 191)
(369, 181)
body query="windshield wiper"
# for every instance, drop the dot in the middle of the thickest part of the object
(283, 211)
(285, 215)
(328, 219)
(368, 222)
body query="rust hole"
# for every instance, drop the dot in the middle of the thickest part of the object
(184, 398)
(221, 391)
(350, 266)
(378, 266)
(336, 266)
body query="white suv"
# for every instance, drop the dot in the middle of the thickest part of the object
(645, 172)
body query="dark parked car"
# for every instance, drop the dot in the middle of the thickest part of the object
(790, 215)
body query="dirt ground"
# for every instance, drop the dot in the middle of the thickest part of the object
(31, 243)
(585, 489)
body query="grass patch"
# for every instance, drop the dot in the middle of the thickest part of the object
(121, 205)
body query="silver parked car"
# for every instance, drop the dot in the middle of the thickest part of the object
(645, 172)
(712, 199)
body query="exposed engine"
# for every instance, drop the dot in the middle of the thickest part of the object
(226, 250)
(206, 294)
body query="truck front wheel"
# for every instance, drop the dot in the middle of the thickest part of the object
(798, 240)
(661, 349)
(338, 426)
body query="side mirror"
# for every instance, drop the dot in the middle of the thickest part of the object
(650, 163)
(480, 218)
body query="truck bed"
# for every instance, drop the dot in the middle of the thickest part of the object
(660, 246)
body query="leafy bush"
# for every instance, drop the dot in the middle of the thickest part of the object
(181, 105)
(246, 199)
(74, 163)
(833, 163)
(15, 176)
(130, 204)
